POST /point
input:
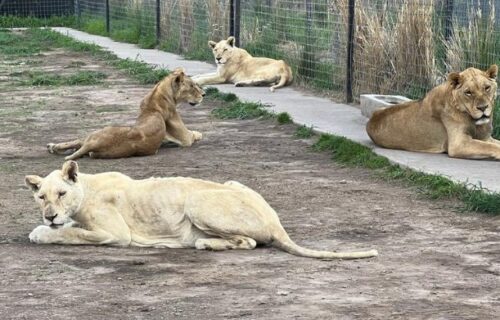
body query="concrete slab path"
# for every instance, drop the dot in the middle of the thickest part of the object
(321, 113)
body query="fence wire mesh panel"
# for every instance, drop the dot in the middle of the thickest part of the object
(187, 25)
(133, 21)
(37, 8)
(408, 46)
(309, 34)
(91, 15)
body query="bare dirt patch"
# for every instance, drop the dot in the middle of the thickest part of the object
(434, 263)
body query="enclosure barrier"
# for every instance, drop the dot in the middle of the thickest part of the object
(341, 47)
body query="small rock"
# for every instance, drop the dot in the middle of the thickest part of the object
(343, 182)
(283, 293)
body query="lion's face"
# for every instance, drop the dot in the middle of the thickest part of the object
(222, 50)
(475, 92)
(59, 194)
(185, 89)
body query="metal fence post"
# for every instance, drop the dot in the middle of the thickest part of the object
(107, 17)
(78, 12)
(234, 20)
(350, 52)
(158, 21)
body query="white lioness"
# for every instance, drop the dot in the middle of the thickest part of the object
(111, 208)
(236, 65)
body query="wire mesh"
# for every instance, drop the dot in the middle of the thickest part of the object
(310, 35)
(187, 25)
(37, 8)
(400, 46)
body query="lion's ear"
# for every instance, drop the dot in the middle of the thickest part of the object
(212, 44)
(454, 79)
(33, 182)
(70, 171)
(492, 71)
(230, 41)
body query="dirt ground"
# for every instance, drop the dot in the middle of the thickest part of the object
(434, 263)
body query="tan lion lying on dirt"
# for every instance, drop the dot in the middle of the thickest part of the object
(158, 120)
(454, 117)
(111, 208)
(237, 66)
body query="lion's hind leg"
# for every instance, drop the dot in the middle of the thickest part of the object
(219, 244)
(231, 219)
(63, 146)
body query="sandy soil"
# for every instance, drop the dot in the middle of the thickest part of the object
(434, 263)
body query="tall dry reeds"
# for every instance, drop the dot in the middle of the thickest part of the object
(187, 23)
(394, 49)
(218, 15)
(477, 44)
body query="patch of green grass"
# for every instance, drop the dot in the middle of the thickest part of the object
(241, 110)
(95, 26)
(214, 93)
(38, 78)
(130, 35)
(234, 108)
(141, 71)
(34, 41)
(33, 22)
(304, 132)
(350, 153)
(283, 118)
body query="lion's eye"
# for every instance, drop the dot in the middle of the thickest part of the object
(62, 193)
(42, 197)
(487, 88)
(225, 49)
(468, 93)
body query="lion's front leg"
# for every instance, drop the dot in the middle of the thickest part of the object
(177, 132)
(209, 78)
(71, 235)
(467, 148)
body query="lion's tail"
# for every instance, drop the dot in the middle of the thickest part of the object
(285, 243)
(285, 78)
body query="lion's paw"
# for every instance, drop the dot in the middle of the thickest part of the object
(50, 147)
(40, 234)
(197, 135)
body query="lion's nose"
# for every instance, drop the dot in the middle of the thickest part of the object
(482, 107)
(218, 59)
(203, 94)
(51, 216)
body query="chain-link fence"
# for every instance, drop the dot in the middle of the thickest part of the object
(342, 47)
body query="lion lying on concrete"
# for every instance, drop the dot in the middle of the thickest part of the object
(158, 120)
(454, 117)
(237, 66)
(111, 208)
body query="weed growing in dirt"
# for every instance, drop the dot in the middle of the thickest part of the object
(82, 78)
(283, 118)
(304, 132)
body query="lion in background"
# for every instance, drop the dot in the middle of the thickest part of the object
(455, 117)
(111, 208)
(158, 120)
(236, 65)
